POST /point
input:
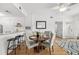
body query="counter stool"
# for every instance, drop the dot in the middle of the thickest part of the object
(17, 39)
(11, 45)
(21, 38)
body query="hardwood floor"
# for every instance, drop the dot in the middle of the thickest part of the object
(23, 51)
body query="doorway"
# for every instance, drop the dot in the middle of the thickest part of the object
(59, 29)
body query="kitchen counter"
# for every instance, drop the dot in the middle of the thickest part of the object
(4, 43)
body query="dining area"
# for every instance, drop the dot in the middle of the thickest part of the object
(39, 41)
(28, 43)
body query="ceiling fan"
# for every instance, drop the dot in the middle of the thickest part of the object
(63, 6)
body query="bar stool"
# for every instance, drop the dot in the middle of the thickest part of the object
(11, 45)
(17, 39)
(21, 38)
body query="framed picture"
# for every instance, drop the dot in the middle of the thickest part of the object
(40, 24)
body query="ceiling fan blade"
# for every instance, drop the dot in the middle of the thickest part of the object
(71, 4)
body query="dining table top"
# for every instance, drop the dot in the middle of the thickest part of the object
(40, 38)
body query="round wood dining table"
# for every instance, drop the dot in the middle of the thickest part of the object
(39, 39)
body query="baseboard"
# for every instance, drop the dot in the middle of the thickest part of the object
(69, 37)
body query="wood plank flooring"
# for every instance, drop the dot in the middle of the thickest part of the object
(23, 51)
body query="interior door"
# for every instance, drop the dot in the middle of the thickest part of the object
(59, 29)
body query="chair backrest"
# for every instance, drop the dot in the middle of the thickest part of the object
(29, 33)
(48, 33)
(52, 40)
(27, 43)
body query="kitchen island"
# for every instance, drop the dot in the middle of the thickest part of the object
(4, 43)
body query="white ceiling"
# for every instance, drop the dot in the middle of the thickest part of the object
(46, 9)
(72, 11)
(37, 8)
(12, 10)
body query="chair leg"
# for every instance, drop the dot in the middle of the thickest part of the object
(15, 51)
(14, 47)
(8, 47)
(29, 52)
(26, 50)
(50, 50)
(7, 51)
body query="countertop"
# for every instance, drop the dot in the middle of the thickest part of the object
(4, 43)
(1, 34)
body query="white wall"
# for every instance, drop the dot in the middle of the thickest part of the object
(50, 24)
(70, 27)
(67, 22)
(9, 23)
(75, 24)
(28, 20)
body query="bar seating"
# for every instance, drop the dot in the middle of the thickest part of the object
(14, 42)
(11, 45)
(18, 41)
(21, 38)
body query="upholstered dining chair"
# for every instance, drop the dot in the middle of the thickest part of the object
(50, 44)
(29, 33)
(49, 34)
(30, 44)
